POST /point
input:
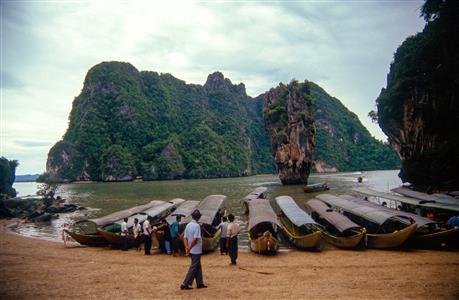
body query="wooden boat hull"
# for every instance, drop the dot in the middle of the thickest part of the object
(305, 242)
(115, 239)
(261, 246)
(447, 237)
(93, 240)
(344, 242)
(318, 187)
(210, 244)
(390, 240)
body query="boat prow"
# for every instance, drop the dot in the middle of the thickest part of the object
(390, 240)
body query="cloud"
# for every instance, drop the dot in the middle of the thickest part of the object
(346, 47)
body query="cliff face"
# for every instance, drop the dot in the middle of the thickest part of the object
(127, 123)
(289, 122)
(419, 108)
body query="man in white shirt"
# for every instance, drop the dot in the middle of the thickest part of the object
(124, 234)
(233, 231)
(223, 237)
(193, 246)
(137, 230)
(147, 235)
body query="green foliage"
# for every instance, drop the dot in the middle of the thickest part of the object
(117, 162)
(342, 141)
(7, 176)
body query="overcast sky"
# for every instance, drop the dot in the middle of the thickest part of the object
(48, 46)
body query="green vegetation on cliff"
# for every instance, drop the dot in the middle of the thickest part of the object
(342, 141)
(419, 108)
(127, 123)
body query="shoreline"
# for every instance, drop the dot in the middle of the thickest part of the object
(42, 269)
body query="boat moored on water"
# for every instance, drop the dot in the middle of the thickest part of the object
(85, 231)
(209, 208)
(337, 229)
(111, 232)
(385, 229)
(316, 187)
(299, 227)
(263, 224)
(429, 233)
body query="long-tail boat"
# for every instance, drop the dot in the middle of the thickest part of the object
(316, 187)
(111, 232)
(299, 227)
(337, 229)
(184, 210)
(85, 231)
(429, 234)
(209, 208)
(263, 223)
(259, 192)
(384, 229)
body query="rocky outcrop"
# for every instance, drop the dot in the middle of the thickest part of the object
(419, 108)
(289, 122)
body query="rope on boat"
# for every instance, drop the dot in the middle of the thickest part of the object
(291, 234)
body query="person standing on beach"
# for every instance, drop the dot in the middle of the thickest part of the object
(147, 235)
(233, 231)
(137, 230)
(175, 236)
(193, 246)
(124, 234)
(224, 236)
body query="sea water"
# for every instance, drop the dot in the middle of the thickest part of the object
(100, 199)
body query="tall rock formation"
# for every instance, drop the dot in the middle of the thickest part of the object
(419, 108)
(289, 122)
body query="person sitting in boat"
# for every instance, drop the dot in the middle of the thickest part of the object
(124, 233)
(453, 222)
(430, 216)
(137, 230)
(175, 236)
(223, 238)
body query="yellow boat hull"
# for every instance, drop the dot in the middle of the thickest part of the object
(390, 240)
(344, 242)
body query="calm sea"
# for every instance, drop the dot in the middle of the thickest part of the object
(104, 198)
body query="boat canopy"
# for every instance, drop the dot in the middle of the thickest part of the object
(257, 193)
(407, 200)
(293, 212)
(153, 212)
(434, 198)
(260, 211)
(340, 222)
(185, 209)
(209, 208)
(421, 221)
(111, 218)
(376, 215)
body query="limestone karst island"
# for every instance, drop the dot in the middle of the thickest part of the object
(235, 150)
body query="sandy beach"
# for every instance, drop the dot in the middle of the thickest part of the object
(38, 269)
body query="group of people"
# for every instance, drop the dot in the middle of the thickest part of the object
(168, 235)
(170, 241)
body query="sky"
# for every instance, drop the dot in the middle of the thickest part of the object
(48, 46)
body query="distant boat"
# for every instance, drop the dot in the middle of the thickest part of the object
(299, 227)
(337, 229)
(112, 231)
(429, 234)
(263, 224)
(85, 231)
(385, 229)
(316, 187)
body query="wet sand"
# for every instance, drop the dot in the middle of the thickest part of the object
(38, 269)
